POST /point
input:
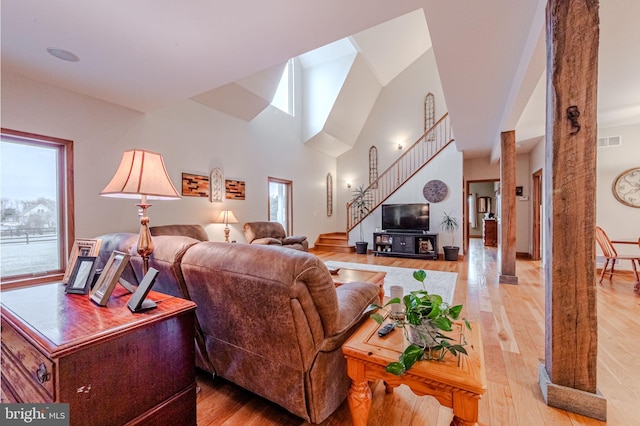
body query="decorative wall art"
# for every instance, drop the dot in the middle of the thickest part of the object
(234, 189)
(329, 195)
(429, 114)
(373, 167)
(435, 191)
(216, 183)
(195, 185)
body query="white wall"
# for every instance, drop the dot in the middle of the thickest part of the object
(397, 116)
(619, 221)
(481, 189)
(482, 168)
(447, 167)
(192, 138)
(523, 204)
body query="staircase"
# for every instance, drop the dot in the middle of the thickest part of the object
(418, 155)
(337, 242)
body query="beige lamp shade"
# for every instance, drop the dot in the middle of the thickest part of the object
(141, 172)
(226, 217)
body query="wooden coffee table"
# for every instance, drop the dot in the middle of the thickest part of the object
(457, 383)
(346, 275)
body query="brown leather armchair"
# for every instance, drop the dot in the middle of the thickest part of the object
(272, 233)
(274, 322)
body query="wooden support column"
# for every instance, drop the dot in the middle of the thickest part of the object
(508, 208)
(568, 376)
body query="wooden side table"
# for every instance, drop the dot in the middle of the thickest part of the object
(457, 383)
(110, 365)
(346, 275)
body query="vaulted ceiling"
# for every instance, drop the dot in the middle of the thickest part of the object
(147, 54)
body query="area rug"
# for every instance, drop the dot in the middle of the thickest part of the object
(437, 282)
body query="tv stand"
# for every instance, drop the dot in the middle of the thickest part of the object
(406, 244)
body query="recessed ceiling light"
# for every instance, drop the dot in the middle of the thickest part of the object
(65, 55)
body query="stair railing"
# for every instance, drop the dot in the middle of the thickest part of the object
(418, 155)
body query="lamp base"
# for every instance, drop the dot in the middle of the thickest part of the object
(226, 234)
(145, 243)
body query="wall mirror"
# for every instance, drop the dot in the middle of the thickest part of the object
(484, 204)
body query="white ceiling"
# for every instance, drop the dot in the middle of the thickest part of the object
(147, 54)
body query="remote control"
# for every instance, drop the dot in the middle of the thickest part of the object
(386, 330)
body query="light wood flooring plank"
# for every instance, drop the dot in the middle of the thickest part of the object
(512, 320)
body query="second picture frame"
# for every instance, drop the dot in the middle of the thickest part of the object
(109, 278)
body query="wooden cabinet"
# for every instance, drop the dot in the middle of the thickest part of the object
(110, 365)
(417, 245)
(490, 232)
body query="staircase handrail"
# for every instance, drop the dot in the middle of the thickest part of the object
(418, 155)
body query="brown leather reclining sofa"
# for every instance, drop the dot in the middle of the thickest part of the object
(268, 319)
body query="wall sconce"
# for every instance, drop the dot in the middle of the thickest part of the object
(399, 146)
(349, 185)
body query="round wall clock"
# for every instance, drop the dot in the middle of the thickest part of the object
(435, 191)
(626, 187)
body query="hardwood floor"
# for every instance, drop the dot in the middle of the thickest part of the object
(512, 320)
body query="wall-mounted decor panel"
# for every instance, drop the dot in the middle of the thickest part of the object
(234, 189)
(195, 185)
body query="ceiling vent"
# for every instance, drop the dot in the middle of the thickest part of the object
(610, 141)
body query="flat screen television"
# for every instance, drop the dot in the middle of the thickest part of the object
(405, 217)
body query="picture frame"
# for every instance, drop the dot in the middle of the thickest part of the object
(82, 275)
(109, 277)
(484, 204)
(425, 245)
(81, 247)
(138, 302)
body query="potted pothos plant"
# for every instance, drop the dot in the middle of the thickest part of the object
(449, 224)
(426, 319)
(362, 205)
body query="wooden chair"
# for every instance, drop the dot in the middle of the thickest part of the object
(611, 255)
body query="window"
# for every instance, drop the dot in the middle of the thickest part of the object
(280, 203)
(283, 99)
(36, 209)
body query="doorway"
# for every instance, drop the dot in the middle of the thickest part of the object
(481, 203)
(536, 228)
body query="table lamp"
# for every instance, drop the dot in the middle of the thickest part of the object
(142, 174)
(226, 217)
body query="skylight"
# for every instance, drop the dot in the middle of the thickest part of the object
(283, 99)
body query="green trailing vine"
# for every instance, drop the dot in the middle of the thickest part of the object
(433, 317)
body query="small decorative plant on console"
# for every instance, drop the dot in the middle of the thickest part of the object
(426, 317)
(449, 224)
